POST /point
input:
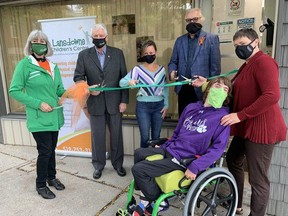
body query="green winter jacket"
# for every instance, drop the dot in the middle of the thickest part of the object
(31, 85)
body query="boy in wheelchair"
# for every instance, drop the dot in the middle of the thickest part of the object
(198, 132)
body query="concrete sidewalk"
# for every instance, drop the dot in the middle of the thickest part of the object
(83, 194)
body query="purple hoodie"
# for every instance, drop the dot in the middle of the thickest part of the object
(199, 132)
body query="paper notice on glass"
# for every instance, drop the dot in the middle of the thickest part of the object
(225, 31)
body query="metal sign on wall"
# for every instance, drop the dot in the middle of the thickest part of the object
(235, 8)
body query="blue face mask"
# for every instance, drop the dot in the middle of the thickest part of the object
(216, 97)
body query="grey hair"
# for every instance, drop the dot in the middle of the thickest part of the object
(35, 34)
(196, 10)
(100, 26)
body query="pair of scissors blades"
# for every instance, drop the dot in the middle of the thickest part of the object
(186, 79)
(189, 80)
(102, 84)
(58, 107)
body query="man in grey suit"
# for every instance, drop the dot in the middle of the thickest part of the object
(96, 65)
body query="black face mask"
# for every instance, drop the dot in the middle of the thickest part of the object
(99, 42)
(193, 27)
(244, 51)
(149, 58)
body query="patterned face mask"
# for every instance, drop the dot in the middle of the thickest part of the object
(244, 51)
(99, 42)
(39, 48)
(216, 97)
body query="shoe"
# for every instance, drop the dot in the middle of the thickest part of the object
(239, 211)
(97, 174)
(56, 183)
(121, 171)
(164, 206)
(147, 213)
(148, 210)
(138, 211)
(45, 192)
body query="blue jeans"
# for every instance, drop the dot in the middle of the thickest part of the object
(149, 116)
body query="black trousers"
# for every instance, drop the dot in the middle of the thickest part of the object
(186, 96)
(144, 171)
(46, 162)
(258, 158)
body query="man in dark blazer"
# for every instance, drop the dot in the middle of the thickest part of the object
(96, 65)
(195, 53)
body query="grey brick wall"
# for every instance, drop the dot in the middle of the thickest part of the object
(278, 172)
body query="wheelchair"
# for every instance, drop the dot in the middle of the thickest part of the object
(213, 192)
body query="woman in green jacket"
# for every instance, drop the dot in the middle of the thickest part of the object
(37, 84)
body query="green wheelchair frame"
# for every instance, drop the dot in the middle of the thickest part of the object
(202, 195)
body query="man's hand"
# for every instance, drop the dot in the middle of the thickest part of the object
(45, 107)
(122, 107)
(94, 93)
(174, 75)
(190, 175)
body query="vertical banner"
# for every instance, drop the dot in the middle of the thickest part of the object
(68, 37)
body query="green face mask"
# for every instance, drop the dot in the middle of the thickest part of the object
(39, 49)
(216, 97)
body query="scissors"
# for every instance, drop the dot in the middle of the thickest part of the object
(189, 80)
(102, 84)
(96, 86)
(58, 107)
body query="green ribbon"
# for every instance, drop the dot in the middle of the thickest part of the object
(139, 86)
(156, 85)
(223, 75)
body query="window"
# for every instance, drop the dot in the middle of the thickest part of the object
(162, 20)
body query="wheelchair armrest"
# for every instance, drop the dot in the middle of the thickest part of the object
(155, 142)
(186, 161)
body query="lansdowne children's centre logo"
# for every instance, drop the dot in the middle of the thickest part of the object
(86, 34)
(72, 44)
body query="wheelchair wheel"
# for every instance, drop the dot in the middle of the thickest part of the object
(214, 193)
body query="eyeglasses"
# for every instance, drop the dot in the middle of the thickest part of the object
(194, 19)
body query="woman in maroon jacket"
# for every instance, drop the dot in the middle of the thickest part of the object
(256, 119)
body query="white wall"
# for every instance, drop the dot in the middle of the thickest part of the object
(252, 9)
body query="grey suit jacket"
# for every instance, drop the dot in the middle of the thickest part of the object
(88, 68)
